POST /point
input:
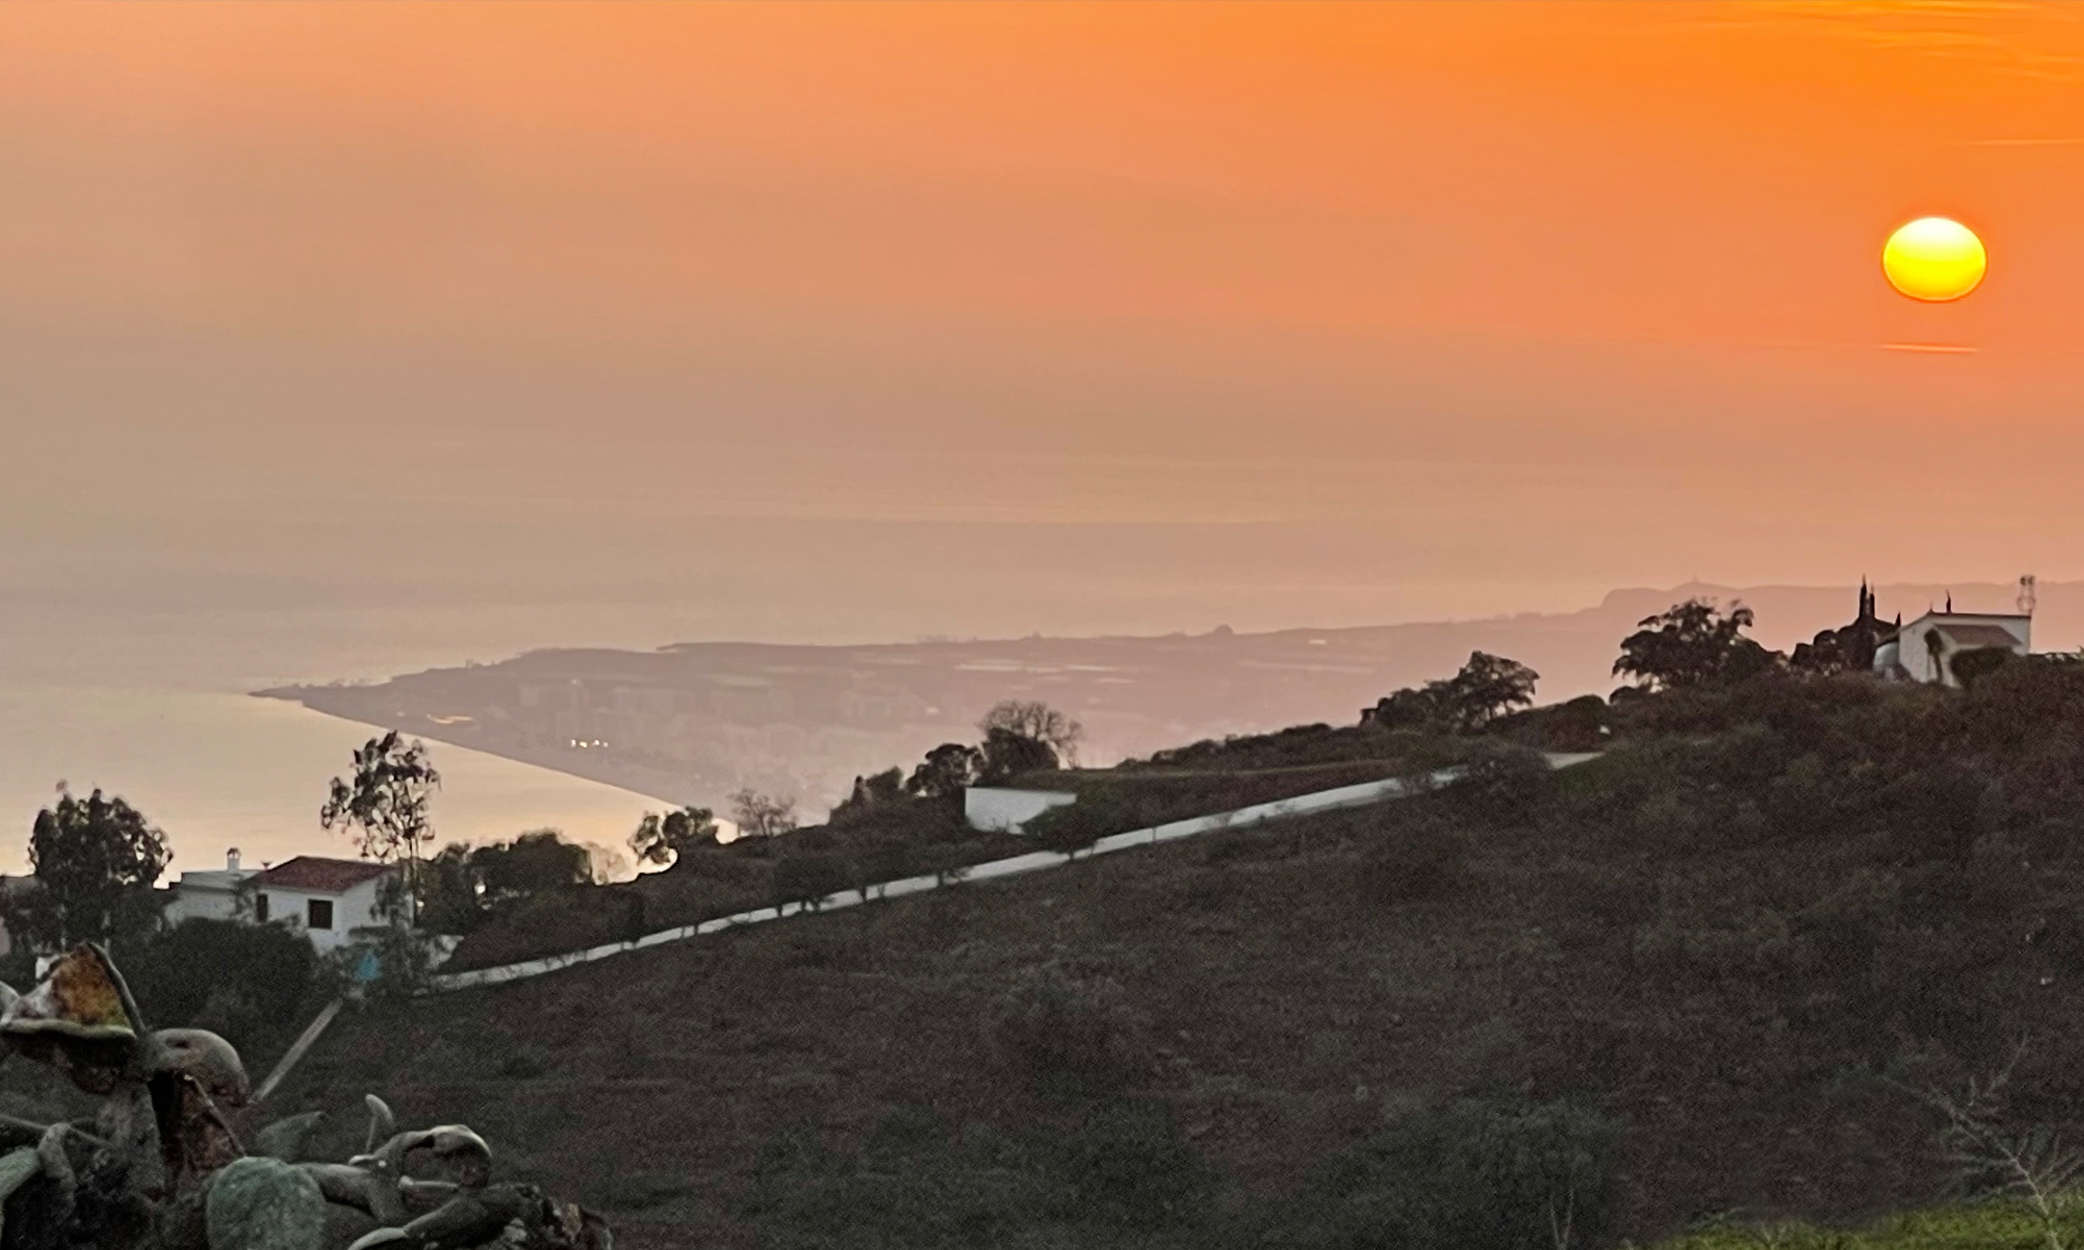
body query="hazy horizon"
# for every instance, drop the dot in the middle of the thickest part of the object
(338, 341)
(1051, 317)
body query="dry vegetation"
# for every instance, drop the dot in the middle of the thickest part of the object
(1691, 983)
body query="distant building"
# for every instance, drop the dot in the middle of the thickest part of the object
(209, 894)
(325, 898)
(1924, 650)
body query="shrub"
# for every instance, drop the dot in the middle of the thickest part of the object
(809, 879)
(1070, 829)
(255, 984)
(1066, 1029)
(1504, 785)
(1480, 1174)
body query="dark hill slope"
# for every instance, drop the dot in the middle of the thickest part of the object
(1727, 943)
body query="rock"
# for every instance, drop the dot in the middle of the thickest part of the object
(265, 1204)
(289, 1139)
(16, 1166)
(212, 1061)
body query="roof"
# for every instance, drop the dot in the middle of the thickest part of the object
(321, 876)
(1979, 635)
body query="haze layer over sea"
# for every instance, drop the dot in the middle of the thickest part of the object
(136, 679)
(152, 706)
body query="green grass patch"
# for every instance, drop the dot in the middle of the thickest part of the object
(1982, 1226)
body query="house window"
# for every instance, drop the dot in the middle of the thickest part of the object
(260, 908)
(319, 914)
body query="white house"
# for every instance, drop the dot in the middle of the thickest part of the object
(323, 897)
(210, 894)
(1923, 650)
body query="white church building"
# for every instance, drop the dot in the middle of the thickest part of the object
(1923, 650)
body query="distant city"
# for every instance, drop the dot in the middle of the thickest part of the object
(692, 722)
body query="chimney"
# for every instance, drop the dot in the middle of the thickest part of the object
(231, 860)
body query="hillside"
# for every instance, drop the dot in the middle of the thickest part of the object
(1703, 971)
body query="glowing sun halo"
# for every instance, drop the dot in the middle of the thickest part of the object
(1934, 259)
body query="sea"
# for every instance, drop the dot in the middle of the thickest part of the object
(156, 707)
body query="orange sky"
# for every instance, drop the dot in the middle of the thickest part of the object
(1337, 311)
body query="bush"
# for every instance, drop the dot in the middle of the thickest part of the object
(1070, 829)
(257, 985)
(808, 879)
(1067, 1029)
(1480, 1174)
(1504, 785)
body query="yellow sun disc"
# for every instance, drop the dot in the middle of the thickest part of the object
(1934, 259)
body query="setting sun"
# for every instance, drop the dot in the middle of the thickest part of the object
(1934, 259)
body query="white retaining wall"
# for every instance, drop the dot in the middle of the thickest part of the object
(1301, 805)
(995, 809)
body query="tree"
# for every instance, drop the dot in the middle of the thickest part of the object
(384, 807)
(95, 861)
(1487, 687)
(534, 863)
(1409, 708)
(1007, 754)
(1975, 663)
(662, 840)
(947, 769)
(449, 891)
(762, 815)
(1037, 721)
(1692, 644)
(880, 790)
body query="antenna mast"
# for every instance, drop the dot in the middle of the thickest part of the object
(2026, 595)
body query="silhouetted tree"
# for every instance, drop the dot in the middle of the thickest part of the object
(1691, 644)
(95, 862)
(1038, 721)
(537, 861)
(1487, 687)
(663, 839)
(880, 790)
(463, 884)
(384, 805)
(760, 815)
(947, 769)
(1413, 707)
(1976, 663)
(1008, 754)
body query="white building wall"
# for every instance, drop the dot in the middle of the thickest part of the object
(1915, 654)
(998, 810)
(200, 903)
(354, 909)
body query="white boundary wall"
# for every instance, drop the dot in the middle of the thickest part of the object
(1301, 805)
(996, 809)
